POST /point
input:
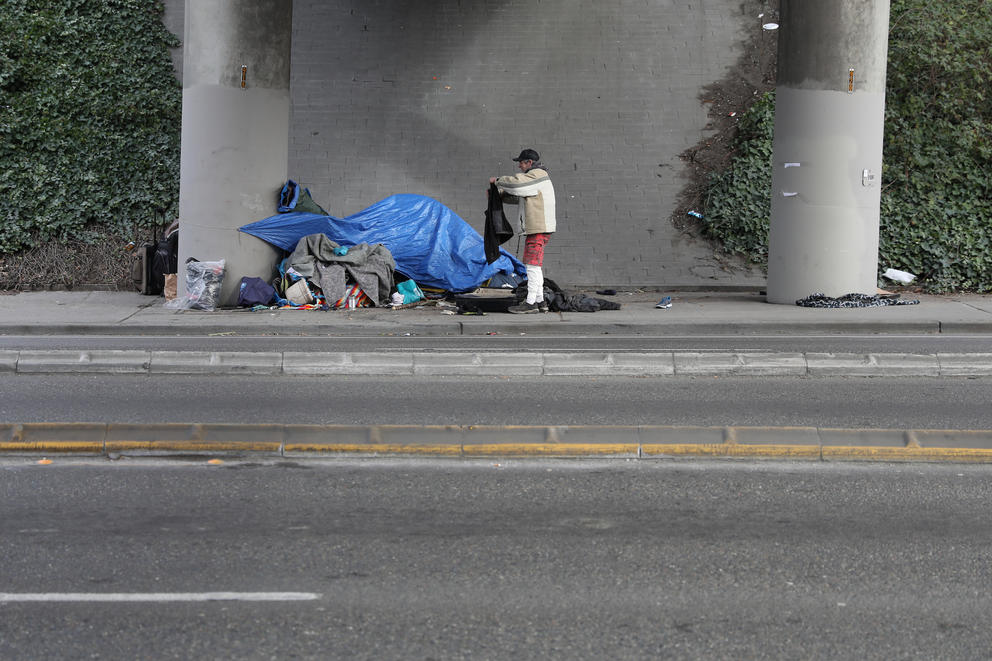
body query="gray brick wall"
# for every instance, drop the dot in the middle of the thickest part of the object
(435, 96)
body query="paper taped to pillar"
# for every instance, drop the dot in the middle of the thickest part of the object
(429, 242)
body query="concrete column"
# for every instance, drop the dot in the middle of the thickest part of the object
(829, 116)
(235, 135)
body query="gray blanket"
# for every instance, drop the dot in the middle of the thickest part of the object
(371, 267)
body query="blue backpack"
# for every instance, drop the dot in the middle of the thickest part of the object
(255, 291)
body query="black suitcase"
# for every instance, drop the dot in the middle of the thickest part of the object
(141, 269)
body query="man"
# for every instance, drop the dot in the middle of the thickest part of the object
(532, 192)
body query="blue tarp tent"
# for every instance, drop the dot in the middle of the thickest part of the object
(428, 241)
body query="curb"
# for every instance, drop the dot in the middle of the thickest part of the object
(474, 326)
(114, 440)
(502, 363)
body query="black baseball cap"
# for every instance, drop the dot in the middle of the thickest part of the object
(528, 155)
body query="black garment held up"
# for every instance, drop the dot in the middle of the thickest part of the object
(498, 230)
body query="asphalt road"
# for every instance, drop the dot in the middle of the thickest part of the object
(484, 560)
(876, 403)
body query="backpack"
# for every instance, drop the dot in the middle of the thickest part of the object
(255, 291)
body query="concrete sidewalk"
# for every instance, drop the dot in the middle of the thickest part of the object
(692, 314)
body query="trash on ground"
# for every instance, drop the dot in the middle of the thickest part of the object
(171, 287)
(299, 293)
(410, 291)
(899, 276)
(203, 284)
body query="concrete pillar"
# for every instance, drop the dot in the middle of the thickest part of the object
(829, 116)
(235, 134)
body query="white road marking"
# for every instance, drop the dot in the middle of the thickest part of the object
(156, 596)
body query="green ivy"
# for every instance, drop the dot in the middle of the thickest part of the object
(738, 200)
(936, 205)
(90, 116)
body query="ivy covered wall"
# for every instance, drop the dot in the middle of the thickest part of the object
(90, 117)
(936, 208)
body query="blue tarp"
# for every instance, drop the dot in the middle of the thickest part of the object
(428, 241)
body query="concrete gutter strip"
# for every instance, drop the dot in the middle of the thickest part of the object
(742, 364)
(8, 361)
(428, 363)
(89, 361)
(965, 364)
(215, 362)
(465, 441)
(826, 364)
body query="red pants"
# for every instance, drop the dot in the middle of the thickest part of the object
(534, 249)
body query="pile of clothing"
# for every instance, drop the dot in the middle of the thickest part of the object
(322, 274)
(338, 273)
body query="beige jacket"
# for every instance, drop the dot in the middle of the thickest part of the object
(533, 193)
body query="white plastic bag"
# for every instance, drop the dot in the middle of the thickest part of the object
(203, 284)
(899, 276)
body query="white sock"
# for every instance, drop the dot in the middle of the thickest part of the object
(535, 284)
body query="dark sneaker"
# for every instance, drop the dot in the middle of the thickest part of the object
(543, 305)
(524, 308)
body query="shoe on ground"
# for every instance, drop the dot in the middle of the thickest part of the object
(665, 303)
(524, 308)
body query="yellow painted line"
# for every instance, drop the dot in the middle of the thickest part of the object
(193, 446)
(52, 446)
(549, 449)
(776, 451)
(906, 453)
(731, 450)
(372, 448)
(686, 449)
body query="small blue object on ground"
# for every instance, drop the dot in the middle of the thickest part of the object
(665, 303)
